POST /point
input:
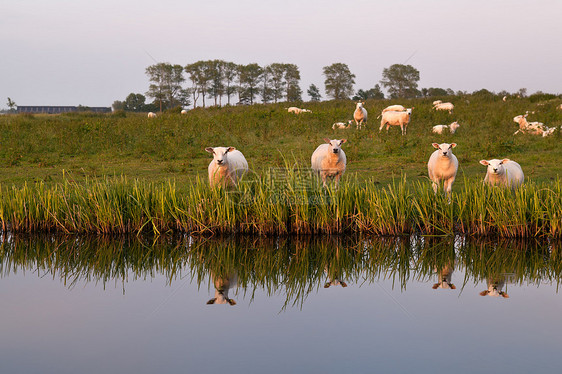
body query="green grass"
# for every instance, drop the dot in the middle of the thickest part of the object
(39, 148)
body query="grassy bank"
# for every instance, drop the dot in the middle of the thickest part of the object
(263, 206)
(50, 148)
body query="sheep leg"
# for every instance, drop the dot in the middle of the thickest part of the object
(435, 187)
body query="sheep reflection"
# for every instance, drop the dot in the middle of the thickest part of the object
(222, 285)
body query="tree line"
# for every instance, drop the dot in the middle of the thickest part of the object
(219, 82)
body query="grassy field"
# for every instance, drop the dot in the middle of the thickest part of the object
(51, 148)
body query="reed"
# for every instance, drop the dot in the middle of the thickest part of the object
(296, 205)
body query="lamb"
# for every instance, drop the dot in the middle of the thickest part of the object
(227, 167)
(360, 115)
(504, 172)
(396, 119)
(533, 128)
(296, 110)
(329, 161)
(504, 98)
(151, 115)
(444, 106)
(342, 125)
(443, 166)
(183, 111)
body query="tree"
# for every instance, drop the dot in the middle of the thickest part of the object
(200, 74)
(401, 81)
(216, 76)
(11, 105)
(277, 80)
(266, 92)
(134, 103)
(373, 93)
(314, 93)
(339, 81)
(249, 77)
(292, 78)
(230, 72)
(117, 105)
(166, 84)
(433, 91)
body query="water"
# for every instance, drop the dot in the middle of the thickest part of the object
(78, 305)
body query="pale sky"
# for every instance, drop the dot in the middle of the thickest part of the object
(78, 52)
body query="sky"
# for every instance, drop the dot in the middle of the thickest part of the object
(91, 53)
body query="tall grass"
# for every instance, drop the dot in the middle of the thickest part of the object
(298, 205)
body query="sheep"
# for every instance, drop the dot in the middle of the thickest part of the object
(227, 167)
(296, 110)
(396, 119)
(222, 286)
(437, 102)
(360, 115)
(559, 107)
(392, 108)
(504, 98)
(533, 128)
(444, 106)
(183, 111)
(151, 115)
(504, 172)
(453, 127)
(443, 166)
(438, 129)
(329, 161)
(342, 125)
(495, 286)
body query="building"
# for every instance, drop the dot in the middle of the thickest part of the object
(61, 109)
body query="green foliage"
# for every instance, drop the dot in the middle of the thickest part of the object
(339, 81)
(401, 81)
(314, 93)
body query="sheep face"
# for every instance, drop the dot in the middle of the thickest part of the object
(445, 149)
(220, 154)
(335, 145)
(495, 167)
(359, 105)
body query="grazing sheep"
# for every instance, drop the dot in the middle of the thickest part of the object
(453, 127)
(393, 108)
(360, 115)
(444, 106)
(438, 129)
(504, 98)
(396, 119)
(183, 111)
(504, 172)
(296, 110)
(533, 128)
(227, 167)
(342, 125)
(151, 115)
(437, 102)
(222, 286)
(329, 161)
(443, 166)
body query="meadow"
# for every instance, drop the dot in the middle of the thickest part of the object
(121, 173)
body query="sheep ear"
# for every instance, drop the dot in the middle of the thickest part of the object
(327, 140)
(505, 160)
(343, 141)
(453, 145)
(435, 145)
(210, 149)
(231, 302)
(484, 162)
(327, 285)
(483, 293)
(453, 287)
(435, 286)
(505, 295)
(212, 301)
(343, 284)
(230, 149)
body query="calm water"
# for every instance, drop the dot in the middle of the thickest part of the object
(75, 305)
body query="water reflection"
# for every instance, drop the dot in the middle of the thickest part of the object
(295, 268)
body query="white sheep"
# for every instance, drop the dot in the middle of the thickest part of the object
(342, 125)
(392, 108)
(151, 115)
(329, 161)
(504, 172)
(444, 106)
(504, 98)
(227, 167)
(533, 128)
(183, 111)
(401, 119)
(360, 115)
(438, 129)
(296, 110)
(437, 102)
(453, 127)
(443, 166)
